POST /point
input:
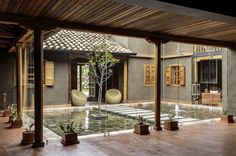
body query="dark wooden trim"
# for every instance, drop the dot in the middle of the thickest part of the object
(20, 38)
(157, 121)
(19, 79)
(80, 77)
(38, 87)
(48, 24)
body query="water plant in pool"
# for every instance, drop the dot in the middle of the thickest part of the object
(85, 125)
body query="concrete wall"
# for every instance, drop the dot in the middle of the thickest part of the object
(58, 93)
(169, 49)
(230, 89)
(137, 45)
(225, 77)
(7, 80)
(136, 89)
(174, 93)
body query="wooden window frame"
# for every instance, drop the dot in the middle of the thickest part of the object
(169, 75)
(149, 75)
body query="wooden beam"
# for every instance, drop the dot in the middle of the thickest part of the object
(19, 80)
(52, 24)
(38, 87)
(5, 34)
(21, 38)
(178, 9)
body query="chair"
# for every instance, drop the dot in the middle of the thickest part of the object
(78, 98)
(113, 96)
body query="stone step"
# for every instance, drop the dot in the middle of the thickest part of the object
(143, 114)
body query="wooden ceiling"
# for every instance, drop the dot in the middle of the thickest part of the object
(111, 16)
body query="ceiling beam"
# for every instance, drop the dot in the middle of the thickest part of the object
(181, 10)
(21, 38)
(4, 40)
(52, 24)
(5, 34)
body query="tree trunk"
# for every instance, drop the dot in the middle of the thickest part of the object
(100, 94)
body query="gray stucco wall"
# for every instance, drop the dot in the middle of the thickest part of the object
(174, 93)
(231, 82)
(224, 76)
(58, 94)
(136, 89)
(169, 49)
(7, 81)
(140, 46)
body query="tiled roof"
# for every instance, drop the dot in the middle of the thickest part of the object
(81, 41)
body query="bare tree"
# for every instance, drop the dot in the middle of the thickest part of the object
(101, 61)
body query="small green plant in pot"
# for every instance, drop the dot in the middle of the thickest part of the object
(16, 121)
(141, 128)
(225, 117)
(171, 124)
(12, 108)
(7, 111)
(28, 135)
(69, 136)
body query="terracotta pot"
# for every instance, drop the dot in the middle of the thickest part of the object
(227, 118)
(27, 137)
(171, 125)
(10, 119)
(69, 139)
(6, 113)
(16, 124)
(141, 129)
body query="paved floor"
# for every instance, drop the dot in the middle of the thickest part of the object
(209, 139)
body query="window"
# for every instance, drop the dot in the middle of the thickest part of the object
(48, 78)
(149, 75)
(175, 75)
(31, 73)
(48, 73)
(208, 71)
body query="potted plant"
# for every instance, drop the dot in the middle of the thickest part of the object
(12, 109)
(7, 112)
(69, 136)
(141, 128)
(225, 117)
(171, 124)
(16, 121)
(28, 135)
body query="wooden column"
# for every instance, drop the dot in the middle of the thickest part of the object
(25, 74)
(157, 124)
(19, 79)
(80, 77)
(38, 87)
(125, 73)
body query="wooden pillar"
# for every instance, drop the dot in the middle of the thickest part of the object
(25, 74)
(38, 87)
(19, 79)
(157, 124)
(125, 73)
(80, 77)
